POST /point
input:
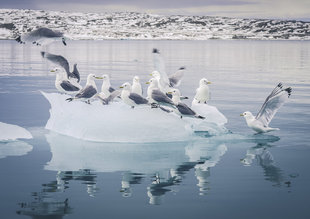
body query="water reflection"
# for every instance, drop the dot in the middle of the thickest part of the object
(265, 159)
(165, 164)
(45, 205)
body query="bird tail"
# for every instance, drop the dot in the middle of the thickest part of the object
(70, 99)
(43, 54)
(164, 109)
(289, 91)
(199, 117)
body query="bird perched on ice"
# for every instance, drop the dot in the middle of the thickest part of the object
(106, 88)
(136, 86)
(111, 97)
(63, 62)
(202, 92)
(182, 108)
(155, 96)
(63, 84)
(260, 123)
(41, 36)
(132, 99)
(89, 91)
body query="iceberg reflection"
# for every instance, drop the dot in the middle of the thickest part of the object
(165, 163)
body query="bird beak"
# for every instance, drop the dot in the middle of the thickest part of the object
(209, 82)
(121, 87)
(151, 74)
(147, 82)
(169, 92)
(241, 114)
(52, 70)
(99, 77)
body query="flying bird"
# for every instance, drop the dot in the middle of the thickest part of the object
(63, 62)
(260, 123)
(41, 36)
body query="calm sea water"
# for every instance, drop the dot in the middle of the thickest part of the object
(238, 175)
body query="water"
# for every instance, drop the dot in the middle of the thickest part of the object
(238, 175)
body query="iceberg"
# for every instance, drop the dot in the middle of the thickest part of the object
(12, 132)
(117, 122)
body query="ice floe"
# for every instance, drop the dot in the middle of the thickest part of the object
(117, 122)
(13, 132)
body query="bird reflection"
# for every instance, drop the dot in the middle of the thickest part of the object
(84, 175)
(129, 179)
(264, 158)
(45, 205)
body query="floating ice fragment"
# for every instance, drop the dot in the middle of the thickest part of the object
(117, 122)
(13, 132)
(14, 148)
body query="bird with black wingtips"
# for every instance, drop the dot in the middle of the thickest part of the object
(41, 36)
(273, 102)
(89, 91)
(182, 108)
(63, 85)
(110, 98)
(176, 78)
(132, 99)
(63, 62)
(156, 96)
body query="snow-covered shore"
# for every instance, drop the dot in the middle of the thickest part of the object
(128, 25)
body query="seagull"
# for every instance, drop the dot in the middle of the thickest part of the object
(89, 91)
(260, 123)
(182, 108)
(63, 62)
(176, 78)
(202, 92)
(40, 36)
(63, 85)
(136, 86)
(132, 99)
(155, 96)
(106, 88)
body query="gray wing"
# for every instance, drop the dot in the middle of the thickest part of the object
(111, 89)
(159, 65)
(273, 103)
(185, 110)
(75, 73)
(87, 92)
(40, 33)
(160, 97)
(67, 86)
(137, 98)
(176, 77)
(106, 101)
(58, 60)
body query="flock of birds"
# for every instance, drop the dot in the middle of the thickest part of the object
(161, 92)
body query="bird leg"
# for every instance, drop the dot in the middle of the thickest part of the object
(154, 105)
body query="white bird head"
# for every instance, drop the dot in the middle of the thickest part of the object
(93, 77)
(176, 95)
(136, 79)
(247, 115)
(204, 82)
(155, 74)
(56, 69)
(105, 77)
(153, 82)
(126, 86)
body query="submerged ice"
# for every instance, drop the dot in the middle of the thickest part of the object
(117, 122)
(13, 132)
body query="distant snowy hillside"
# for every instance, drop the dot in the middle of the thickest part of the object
(125, 25)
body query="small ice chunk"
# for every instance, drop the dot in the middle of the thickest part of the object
(13, 132)
(14, 148)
